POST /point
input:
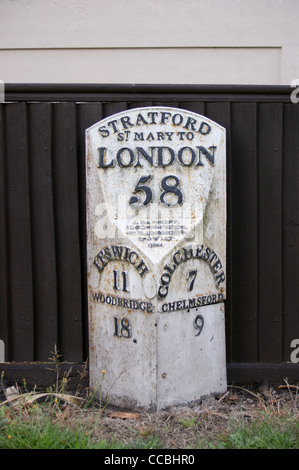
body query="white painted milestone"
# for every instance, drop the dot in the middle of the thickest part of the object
(156, 246)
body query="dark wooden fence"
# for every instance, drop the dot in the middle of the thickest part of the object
(42, 217)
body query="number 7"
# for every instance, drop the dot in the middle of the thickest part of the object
(191, 276)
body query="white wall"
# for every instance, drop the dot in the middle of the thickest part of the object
(149, 41)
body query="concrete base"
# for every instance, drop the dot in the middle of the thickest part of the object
(159, 359)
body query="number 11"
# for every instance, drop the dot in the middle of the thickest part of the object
(124, 279)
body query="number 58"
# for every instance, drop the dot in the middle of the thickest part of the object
(165, 186)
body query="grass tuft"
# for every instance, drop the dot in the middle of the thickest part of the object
(264, 432)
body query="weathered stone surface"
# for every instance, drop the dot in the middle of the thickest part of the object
(156, 230)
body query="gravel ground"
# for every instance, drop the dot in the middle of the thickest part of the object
(178, 427)
(182, 427)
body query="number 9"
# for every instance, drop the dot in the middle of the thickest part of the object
(198, 324)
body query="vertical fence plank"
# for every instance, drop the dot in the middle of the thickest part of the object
(290, 227)
(139, 104)
(67, 232)
(194, 106)
(87, 115)
(43, 230)
(269, 232)
(166, 102)
(4, 297)
(19, 233)
(113, 108)
(244, 232)
(220, 113)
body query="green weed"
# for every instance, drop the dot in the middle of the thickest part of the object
(265, 432)
(39, 431)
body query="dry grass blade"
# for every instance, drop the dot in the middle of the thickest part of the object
(250, 393)
(14, 399)
(29, 398)
(124, 415)
(289, 386)
(70, 399)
